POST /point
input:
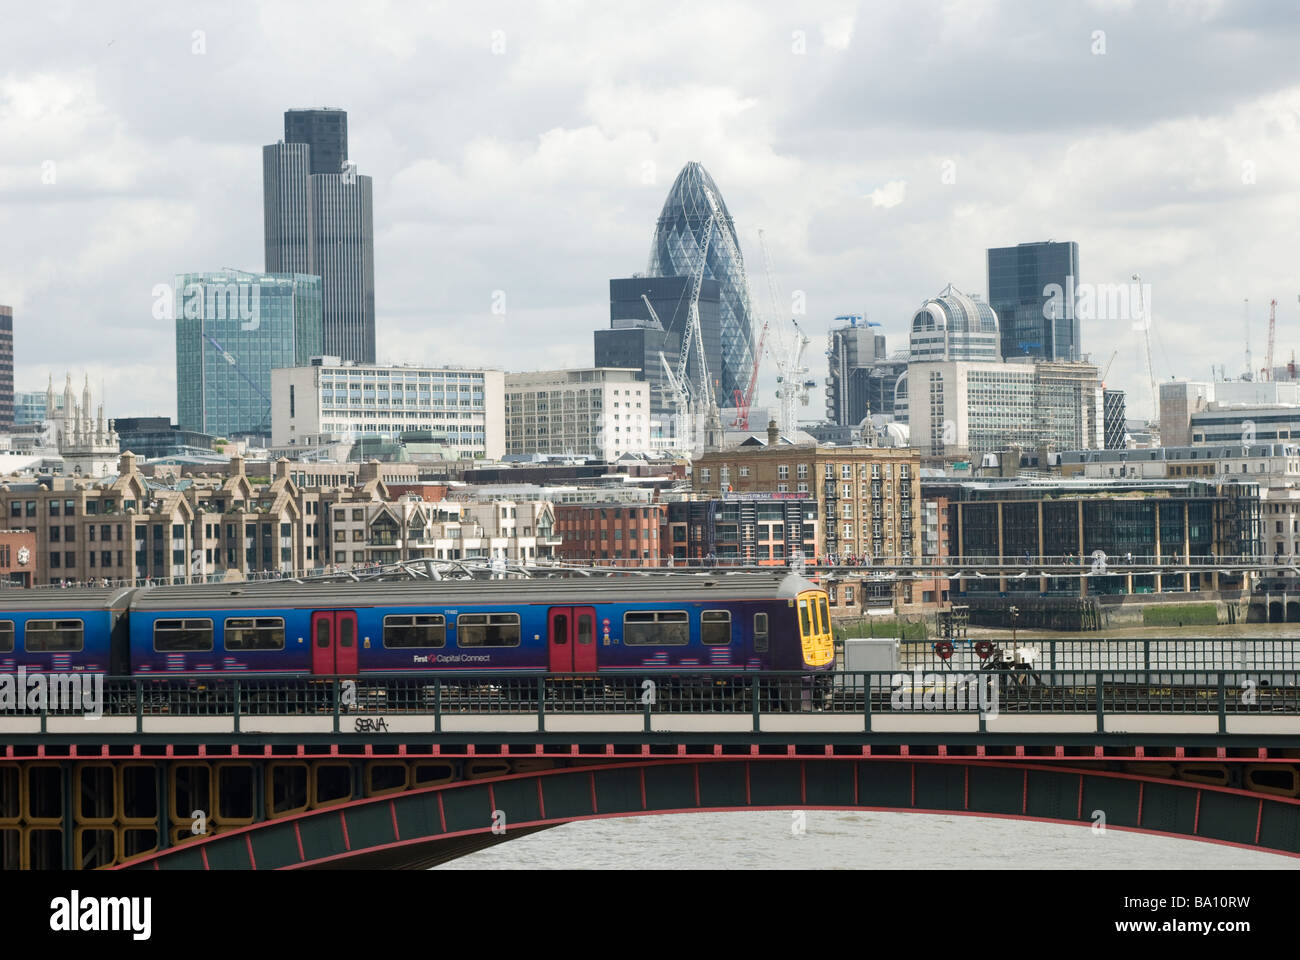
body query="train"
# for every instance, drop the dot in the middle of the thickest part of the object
(724, 623)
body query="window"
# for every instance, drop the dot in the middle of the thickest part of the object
(50, 636)
(715, 627)
(488, 630)
(416, 630)
(254, 633)
(805, 622)
(6, 636)
(760, 633)
(178, 635)
(663, 627)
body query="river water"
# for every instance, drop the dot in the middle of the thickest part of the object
(833, 839)
(852, 840)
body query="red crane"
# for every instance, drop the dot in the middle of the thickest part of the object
(744, 400)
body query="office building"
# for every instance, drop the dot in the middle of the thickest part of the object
(597, 412)
(29, 407)
(954, 326)
(232, 329)
(6, 367)
(862, 378)
(1114, 415)
(693, 203)
(1033, 290)
(319, 220)
(460, 411)
(964, 409)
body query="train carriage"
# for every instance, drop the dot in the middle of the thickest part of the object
(64, 630)
(721, 623)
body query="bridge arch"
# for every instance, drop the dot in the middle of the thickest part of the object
(431, 825)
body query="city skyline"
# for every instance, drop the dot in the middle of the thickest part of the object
(876, 182)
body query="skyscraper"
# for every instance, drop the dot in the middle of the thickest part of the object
(1033, 322)
(679, 237)
(6, 367)
(233, 329)
(319, 219)
(325, 131)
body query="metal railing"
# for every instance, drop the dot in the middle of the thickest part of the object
(358, 704)
(1158, 655)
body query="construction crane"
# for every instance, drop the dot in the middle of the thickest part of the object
(788, 354)
(1108, 363)
(1272, 332)
(745, 399)
(685, 405)
(1146, 331)
(1245, 320)
(679, 391)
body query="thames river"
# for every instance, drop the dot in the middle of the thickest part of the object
(852, 840)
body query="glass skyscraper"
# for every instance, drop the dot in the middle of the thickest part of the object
(675, 252)
(319, 219)
(233, 329)
(1029, 318)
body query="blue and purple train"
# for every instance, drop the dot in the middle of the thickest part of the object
(722, 623)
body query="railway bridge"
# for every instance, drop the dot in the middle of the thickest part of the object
(264, 772)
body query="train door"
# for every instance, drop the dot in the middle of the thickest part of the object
(334, 642)
(571, 643)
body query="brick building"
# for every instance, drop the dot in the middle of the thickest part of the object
(622, 534)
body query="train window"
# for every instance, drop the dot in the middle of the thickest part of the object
(805, 621)
(715, 627)
(661, 627)
(488, 629)
(51, 636)
(760, 633)
(6, 636)
(417, 630)
(586, 628)
(255, 633)
(825, 612)
(171, 636)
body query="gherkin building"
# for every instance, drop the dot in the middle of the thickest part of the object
(675, 252)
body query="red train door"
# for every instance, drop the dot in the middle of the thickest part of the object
(334, 642)
(572, 639)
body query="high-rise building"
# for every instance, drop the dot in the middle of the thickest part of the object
(29, 407)
(954, 326)
(679, 236)
(232, 329)
(854, 350)
(1115, 415)
(1032, 289)
(6, 367)
(325, 131)
(319, 220)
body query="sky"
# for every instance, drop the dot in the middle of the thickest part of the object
(521, 153)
